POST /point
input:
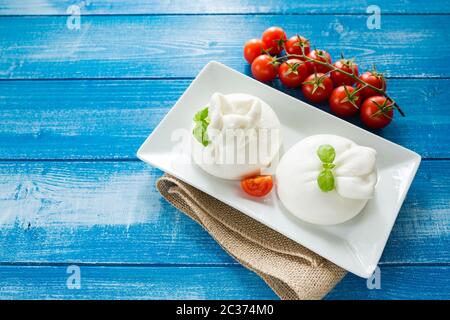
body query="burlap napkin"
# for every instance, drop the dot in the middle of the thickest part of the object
(291, 270)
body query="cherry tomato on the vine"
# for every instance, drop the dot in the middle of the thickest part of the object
(319, 55)
(375, 79)
(377, 112)
(264, 68)
(252, 49)
(293, 72)
(295, 44)
(341, 79)
(317, 87)
(344, 102)
(273, 39)
(257, 186)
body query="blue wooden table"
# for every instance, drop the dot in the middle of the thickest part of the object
(76, 103)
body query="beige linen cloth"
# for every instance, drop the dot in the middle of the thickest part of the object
(290, 269)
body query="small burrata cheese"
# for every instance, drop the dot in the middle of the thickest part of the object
(244, 137)
(354, 174)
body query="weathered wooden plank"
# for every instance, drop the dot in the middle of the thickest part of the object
(110, 119)
(232, 282)
(38, 7)
(169, 46)
(50, 282)
(110, 212)
(410, 282)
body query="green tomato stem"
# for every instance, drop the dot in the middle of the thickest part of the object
(351, 75)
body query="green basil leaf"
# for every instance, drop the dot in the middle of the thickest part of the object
(202, 115)
(328, 165)
(198, 131)
(326, 153)
(205, 140)
(201, 124)
(326, 180)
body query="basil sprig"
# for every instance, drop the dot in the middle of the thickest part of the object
(201, 120)
(325, 179)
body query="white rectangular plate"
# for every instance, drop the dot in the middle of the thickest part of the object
(355, 245)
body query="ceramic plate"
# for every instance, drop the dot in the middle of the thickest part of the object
(355, 245)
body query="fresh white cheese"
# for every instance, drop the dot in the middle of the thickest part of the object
(354, 173)
(244, 137)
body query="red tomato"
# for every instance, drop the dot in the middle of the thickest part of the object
(264, 68)
(344, 102)
(375, 79)
(317, 87)
(257, 186)
(293, 72)
(252, 49)
(273, 39)
(340, 78)
(295, 44)
(320, 55)
(377, 112)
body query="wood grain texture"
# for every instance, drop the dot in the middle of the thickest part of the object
(179, 46)
(232, 282)
(49, 282)
(110, 119)
(39, 7)
(107, 216)
(414, 282)
(109, 212)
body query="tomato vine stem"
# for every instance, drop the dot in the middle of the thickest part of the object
(351, 75)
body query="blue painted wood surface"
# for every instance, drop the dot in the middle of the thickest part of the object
(200, 282)
(79, 119)
(157, 47)
(85, 211)
(75, 105)
(253, 7)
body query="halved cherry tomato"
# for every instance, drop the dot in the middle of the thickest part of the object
(257, 186)
(293, 72)
(341, 79)
(319, 55)
(264, 68)
(252, 49)
(295, 44)
(273, 39)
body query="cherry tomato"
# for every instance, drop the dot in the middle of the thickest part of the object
(375, 79)
(293, 72)
(344, 102)
(273, 39)
(295, 44)
(340, 78)
(264, 68)
(257, 186)
(320, 55)
(252, 49)
(317, 87)
(377, 112)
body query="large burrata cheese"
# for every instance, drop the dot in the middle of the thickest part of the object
(244, 137)
(355, 179)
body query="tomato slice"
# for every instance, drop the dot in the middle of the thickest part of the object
(257, 186)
